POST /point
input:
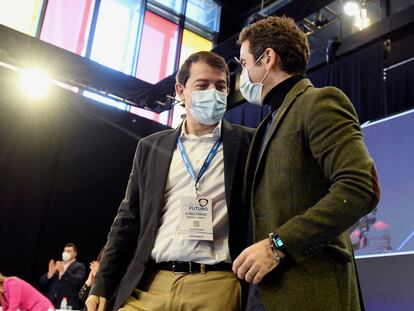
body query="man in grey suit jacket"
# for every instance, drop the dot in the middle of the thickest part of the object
(309, 178)
(182, 221)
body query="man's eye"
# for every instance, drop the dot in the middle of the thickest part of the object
(201, 87)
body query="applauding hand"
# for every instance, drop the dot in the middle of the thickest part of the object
(52, 269)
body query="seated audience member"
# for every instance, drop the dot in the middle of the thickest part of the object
(16, 294)
(64, 278)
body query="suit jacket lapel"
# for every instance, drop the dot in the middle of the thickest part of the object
(161, 164)
(291, 97)
(231, 146)
(72, 266)
(251, 162)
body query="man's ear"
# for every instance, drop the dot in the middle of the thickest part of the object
(271, 59)
(179, 89)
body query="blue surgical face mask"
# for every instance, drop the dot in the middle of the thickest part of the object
(252, 92)
(208, 106)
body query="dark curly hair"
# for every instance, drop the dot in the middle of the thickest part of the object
(284, 37)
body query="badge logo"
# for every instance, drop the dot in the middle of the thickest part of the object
(203, 202)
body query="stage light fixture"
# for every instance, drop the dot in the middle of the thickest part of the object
(351, 8)
(34, 83)
(362, 21)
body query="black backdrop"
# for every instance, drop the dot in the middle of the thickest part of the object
(64, 166)
(400, 87)
(360, 77)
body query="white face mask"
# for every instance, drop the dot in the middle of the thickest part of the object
(208, 106)
(66, 256)
(252, 92)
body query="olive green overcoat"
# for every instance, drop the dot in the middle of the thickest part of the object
(309, 182)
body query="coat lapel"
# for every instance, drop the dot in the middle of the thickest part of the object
(161, 164)
(291, 97)
(251, 162)
(231, 147)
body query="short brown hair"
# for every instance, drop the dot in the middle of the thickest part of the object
(210, 58)
(284, 37)
(75, 248)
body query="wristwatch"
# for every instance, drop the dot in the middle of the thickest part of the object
(277, 244)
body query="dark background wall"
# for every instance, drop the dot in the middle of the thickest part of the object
(64, 166)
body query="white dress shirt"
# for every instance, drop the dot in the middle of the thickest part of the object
(168, 244)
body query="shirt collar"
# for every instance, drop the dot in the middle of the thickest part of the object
(68, 263)
(277, 94)
(215, 133)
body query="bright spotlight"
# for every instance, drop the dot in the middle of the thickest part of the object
(34, 83)
(351, 8)
(362, 21)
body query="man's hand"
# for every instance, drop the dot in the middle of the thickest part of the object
(52, 269)
(96, 303)
(255, 262)
(60, 267)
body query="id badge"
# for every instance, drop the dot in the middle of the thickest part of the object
(196, 219)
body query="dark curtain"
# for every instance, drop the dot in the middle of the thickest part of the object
(246, 114)
(400, 87)
(360, 77)
(64, 166)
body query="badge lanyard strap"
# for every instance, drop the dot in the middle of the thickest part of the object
(206, 164)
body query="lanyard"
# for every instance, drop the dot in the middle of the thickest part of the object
(206, 163)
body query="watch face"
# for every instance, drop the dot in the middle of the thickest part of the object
(279, 242)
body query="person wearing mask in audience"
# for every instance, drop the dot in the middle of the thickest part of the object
(64, 278)
(17, 294)
(309, 177)
(182, 222)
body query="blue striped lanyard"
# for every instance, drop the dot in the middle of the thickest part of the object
(207, 161)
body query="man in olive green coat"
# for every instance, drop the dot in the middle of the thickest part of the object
(309, 177)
